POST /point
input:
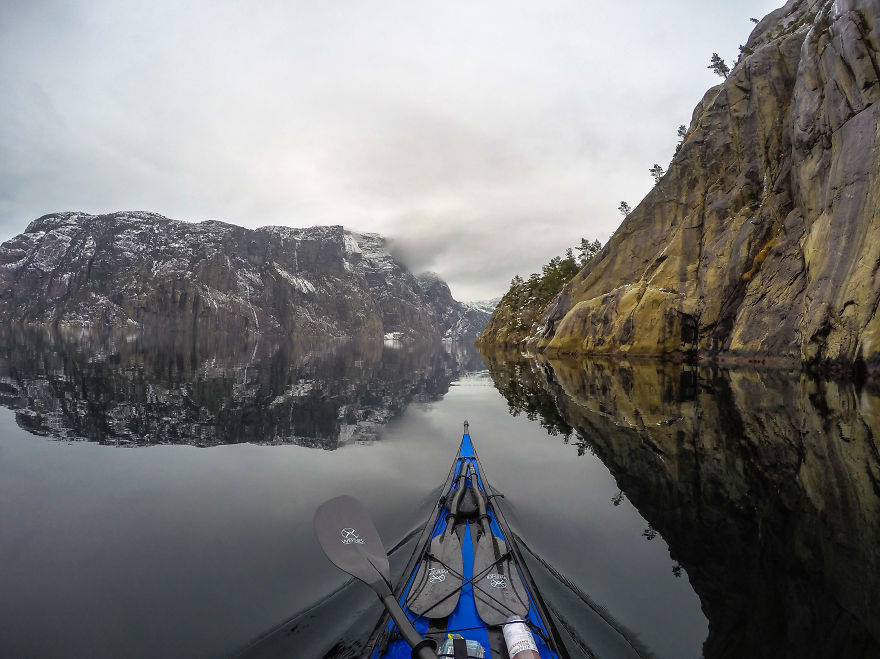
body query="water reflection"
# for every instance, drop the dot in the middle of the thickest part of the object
(213, 390)
(765, 484)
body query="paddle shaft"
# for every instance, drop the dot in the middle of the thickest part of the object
(485, 522)
(456, 498)
(421, 650)
(481, 507)
(456, 501)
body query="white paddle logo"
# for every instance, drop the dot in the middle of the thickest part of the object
(350, 537)
(497, 581)
(437, 574)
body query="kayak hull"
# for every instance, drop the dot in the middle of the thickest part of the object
(464, 619)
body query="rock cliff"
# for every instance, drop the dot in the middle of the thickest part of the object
(761, 239)
(136, 271)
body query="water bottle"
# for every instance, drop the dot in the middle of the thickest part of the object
(519, 640)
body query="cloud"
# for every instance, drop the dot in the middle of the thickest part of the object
(483, 138)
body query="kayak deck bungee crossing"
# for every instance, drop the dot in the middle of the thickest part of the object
(466, 577)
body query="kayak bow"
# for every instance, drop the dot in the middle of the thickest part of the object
(466, 576)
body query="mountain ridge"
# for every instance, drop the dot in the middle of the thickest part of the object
(134, 271)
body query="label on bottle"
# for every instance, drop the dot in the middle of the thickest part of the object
(518, 637)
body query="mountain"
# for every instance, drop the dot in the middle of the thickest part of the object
(760, 240)
(485, 305)
(460, 320)
(133, 271)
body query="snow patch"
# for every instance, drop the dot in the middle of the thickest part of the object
(302, 284)
(50, 253)
(88, 248)
(393, 339)
(350, 244)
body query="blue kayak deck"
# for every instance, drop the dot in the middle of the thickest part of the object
(464, 620)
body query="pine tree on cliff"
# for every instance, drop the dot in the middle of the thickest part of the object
(588, 250)
(521, 307)
(718, 66)
(657, 172)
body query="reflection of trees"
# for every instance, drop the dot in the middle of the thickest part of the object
(522, 385)
(209, 390)
(765, 484)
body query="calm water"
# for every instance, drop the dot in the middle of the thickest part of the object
(680, 511)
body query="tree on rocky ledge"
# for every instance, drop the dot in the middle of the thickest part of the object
(657, 172)
(556, 273)
(624, 209)
(521, 307)
(588, 250)
(718, 66)
(682, 136)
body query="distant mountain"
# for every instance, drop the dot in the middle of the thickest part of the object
(460, 321)
(132, 271)
(485, 305)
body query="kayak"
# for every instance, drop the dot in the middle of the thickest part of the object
(466, 591)
(466, 578)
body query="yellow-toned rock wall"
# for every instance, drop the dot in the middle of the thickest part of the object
(763, 238)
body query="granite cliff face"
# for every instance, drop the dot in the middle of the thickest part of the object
(761, 239)
(765, 484)
(135, 271)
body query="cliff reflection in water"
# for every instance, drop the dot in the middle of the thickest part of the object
(765, 485)
(214, 390)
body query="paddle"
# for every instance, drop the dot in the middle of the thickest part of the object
(351, 542)
(498, 590)
(436, 587)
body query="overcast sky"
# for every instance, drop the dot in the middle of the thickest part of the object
(483, 137)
